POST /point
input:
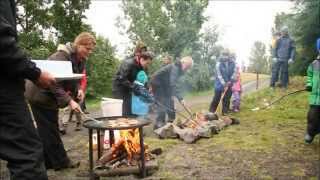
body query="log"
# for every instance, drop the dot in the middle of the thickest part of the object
(151, 166)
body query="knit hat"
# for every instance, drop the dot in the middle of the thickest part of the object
(142, 77)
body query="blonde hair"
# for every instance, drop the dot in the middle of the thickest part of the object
(85, 38)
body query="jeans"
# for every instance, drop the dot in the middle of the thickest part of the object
(282, 68)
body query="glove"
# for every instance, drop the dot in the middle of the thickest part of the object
(308, 88)
(290, 61)
(274, 59)
(182, 102)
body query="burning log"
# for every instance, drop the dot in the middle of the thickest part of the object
(151, 166)
(202, 125)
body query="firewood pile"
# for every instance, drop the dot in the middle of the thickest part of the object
(124, 156)
(199, 125)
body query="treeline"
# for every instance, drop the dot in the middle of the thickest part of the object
(304, 28)
(166, 27)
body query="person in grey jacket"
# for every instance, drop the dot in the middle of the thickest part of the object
(164, 87)
(283, 55)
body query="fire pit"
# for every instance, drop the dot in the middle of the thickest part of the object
(111, 124)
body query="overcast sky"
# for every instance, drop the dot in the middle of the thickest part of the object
(240, 22)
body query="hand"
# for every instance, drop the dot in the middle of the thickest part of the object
(290, 61)
(45, 80)
(75, 106)
(308, 88)
(80, 95)
(183, 102)
(228, 84)
(274, 60)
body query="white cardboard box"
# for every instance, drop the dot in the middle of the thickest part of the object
(111, 107)
(61, 70)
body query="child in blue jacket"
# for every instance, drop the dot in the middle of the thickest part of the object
(141, 97)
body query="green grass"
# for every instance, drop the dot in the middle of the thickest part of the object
(277, 131)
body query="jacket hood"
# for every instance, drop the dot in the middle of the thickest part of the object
(68, 48)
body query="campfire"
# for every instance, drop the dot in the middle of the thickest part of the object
(197, 126)
(125, 152)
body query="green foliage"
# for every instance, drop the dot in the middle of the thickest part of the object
(258, 59)
(67, 16)
(304, 26)
(165, 26)
(101, 66)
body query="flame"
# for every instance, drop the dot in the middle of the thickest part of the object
(131, 142)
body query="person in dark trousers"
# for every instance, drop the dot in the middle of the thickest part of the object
(164, 87)
(45, 103)
(283, 55)
(313, 86)
(122, 84)
(20, 144)
(225, 75)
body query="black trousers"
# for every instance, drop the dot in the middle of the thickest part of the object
(313, 126)
(126, 104)
(54, 153)
(225, 102)
(20, 144)
(165, 107)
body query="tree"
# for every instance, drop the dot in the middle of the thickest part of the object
(304, 26)
(32, 21)
(67, 18)
(258, 59)
(165, 26)
(101, 66)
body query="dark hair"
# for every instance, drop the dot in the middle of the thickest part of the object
(147, 55)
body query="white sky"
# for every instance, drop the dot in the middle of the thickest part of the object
(240, 22)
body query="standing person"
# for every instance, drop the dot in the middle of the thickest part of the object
(20, 144)
(283, 55)
(122, 84)
(164, 87)
(45, 103)
(236, 92)
(225, 75)
(313, 86)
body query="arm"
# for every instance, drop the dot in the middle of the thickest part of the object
(309, 78)
(219, 75)
(275, 49)
(13, 61)
(84, 81)
(292, 50)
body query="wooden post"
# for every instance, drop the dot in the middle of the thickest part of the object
(257, 84)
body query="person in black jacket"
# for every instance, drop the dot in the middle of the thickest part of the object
(20, 145)
(123, 85)
(164, 87)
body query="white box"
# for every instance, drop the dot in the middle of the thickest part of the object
(106, 139)
(111, 107)
(59, 69)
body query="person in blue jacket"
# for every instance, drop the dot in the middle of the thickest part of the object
(141, 98)
(283, 55)
(225, 75)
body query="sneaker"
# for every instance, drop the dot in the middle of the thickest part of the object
(308, 138)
